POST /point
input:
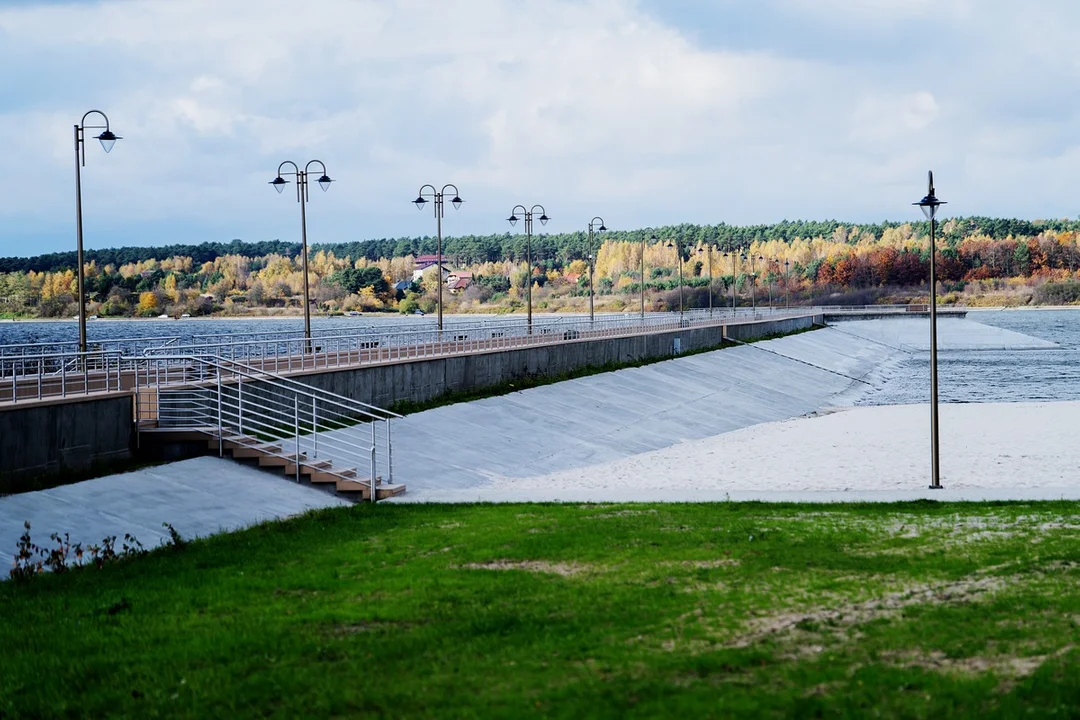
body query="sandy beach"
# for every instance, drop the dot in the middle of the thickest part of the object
(1003, 445)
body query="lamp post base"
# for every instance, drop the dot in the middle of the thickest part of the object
(937, 487)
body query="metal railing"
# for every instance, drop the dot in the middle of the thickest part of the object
(308, 429)
(62, 372)
(40, 376)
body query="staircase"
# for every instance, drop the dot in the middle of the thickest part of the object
(310, 435)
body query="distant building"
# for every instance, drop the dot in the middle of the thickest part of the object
(419, 271)
(457, 281)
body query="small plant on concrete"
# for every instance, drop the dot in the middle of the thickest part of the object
(56, 559)
(176, 540)
(26, 566)
(132, 546)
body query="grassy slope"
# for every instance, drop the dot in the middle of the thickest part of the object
(703, 610)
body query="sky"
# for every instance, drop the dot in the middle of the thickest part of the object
(644, 112)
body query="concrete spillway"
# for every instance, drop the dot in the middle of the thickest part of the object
(449, 452)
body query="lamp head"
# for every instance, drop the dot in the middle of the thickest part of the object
(324, 182)
(601, 228)
(512, 220)
(544, 219)
(279, 183)
(419, 202)
(108, 139)
(930, 203)
(456, 202)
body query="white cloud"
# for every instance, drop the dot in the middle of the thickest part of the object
(584, 105)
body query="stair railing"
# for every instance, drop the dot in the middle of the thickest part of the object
(284, 418)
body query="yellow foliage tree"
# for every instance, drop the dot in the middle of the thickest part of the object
(147, 303)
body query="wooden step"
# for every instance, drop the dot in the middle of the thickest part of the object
(360, 487)
(255, 451)
(385, 491)
(332, 475)
(308, 468)
(280, 461)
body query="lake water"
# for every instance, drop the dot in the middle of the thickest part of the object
(12, 333)
(966, 376)
(963, 376)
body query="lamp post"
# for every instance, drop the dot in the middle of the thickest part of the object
(700, 251)
(652, 239)
(678, 254)
(734, 255)
(108, 139)
(592, 260)
(528, 246)
(930, 205)
(753, 289)
(768, 279)
(437, 196)
(787, 289)
(303, 197)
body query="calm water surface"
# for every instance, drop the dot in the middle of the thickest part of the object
(963, 376)
(995, 375)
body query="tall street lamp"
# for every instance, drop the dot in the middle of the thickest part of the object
(753, 289)
(700, 251)
(734, 255)
(678, 254)
(787, 289)
(437, 195)
(107, 139)
(592, 260)
(930, 205)
(651, 239)
(303, 198)
(528, 245)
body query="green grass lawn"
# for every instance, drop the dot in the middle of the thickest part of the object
(706, 610)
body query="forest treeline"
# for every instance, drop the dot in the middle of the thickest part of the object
(557, 247)
(979, 261)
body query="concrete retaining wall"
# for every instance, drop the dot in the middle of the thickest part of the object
(427, 379)
(70, 435)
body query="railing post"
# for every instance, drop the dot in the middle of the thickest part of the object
(220, 439)
(373, 466)
(296, 425)
(314, 428)
(389, 455)
(240, 405)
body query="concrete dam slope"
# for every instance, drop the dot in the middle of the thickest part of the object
(505, 448)
(199, 497)
(601, 418)
(448, 452)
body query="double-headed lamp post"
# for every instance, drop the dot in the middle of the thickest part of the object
(787, 289)
(528, 246)
(678, 258)
(303, 197)
(652, 238)
(930, 205)
(107, 139)
(709, 250)
(591, 255)
(437, 195)
(734, 256)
